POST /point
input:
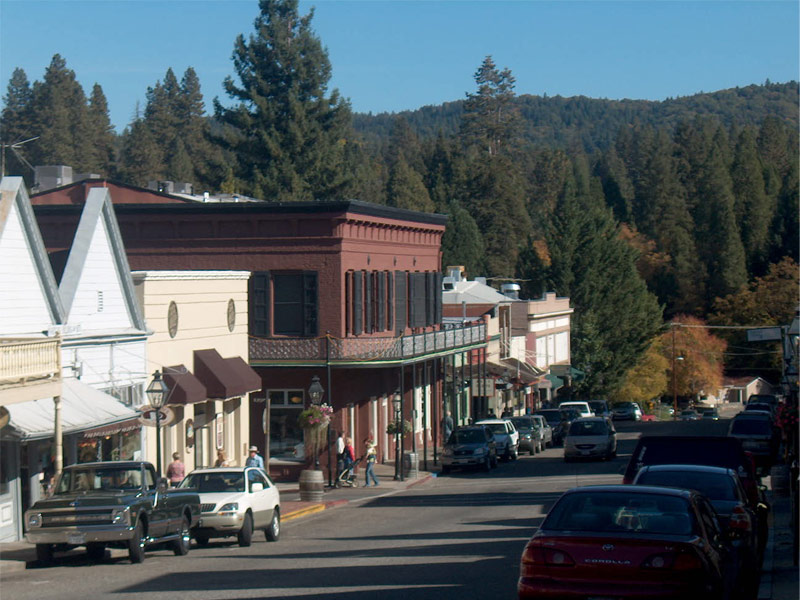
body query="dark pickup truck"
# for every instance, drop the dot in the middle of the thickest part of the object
(120, 504)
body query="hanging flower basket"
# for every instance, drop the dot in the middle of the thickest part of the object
(392, 428)
(314, 422)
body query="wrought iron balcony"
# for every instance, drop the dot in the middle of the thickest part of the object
(366, 349)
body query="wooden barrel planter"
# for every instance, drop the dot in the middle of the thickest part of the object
(312, 486)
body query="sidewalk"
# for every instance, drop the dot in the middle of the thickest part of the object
(17, 556)
(779, 579)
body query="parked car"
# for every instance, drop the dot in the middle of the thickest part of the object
(600, 408)
(559, 422)
(627, 542)
(582, 407)
(531, 438)
(590, 437)
(505, 436)
(546, 429)
(689, 414)
(235, 502)
(770, 399)
(119, 503)
(719, 451)
(760, 407)
(725, 491)
(758, 435)
(472, 446)
(709, 413)
(626, 411)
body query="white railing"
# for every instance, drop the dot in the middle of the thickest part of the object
(24, 360)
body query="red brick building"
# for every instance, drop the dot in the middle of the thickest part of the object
(347, 291)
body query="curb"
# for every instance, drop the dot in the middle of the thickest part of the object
(12, 566)
(310, 510)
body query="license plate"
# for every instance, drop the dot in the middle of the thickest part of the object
(585, 452)
(76, 538)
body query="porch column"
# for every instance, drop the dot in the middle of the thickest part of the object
(58, 435)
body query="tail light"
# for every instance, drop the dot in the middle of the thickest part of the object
(535, 554)
(682, 561)
(740, 521)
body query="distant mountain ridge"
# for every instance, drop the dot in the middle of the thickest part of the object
(591, 124)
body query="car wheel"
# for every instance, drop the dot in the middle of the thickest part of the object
(534, 449)
(487, 464)
(96, 551)
(181, 546)
(494, 461)
(245, 535)
(273, 532)
(136, 543)
(202, 540)
(44, 553)
(514, 454)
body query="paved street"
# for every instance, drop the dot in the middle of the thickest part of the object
(458, 536)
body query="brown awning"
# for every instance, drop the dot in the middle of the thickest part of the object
(225, 377)
(184, 387)
(129, 425)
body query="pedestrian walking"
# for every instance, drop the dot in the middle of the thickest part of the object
(176, 471)
(221, 460)
(447, 426)
(254, 459)
(371, 458)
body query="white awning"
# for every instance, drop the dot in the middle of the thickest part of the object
(82, 407)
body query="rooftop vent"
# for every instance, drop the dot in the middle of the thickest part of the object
(51, 176)
(510, 290)
(456, 272)
(448, 283)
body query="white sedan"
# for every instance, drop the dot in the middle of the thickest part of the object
(235, 501)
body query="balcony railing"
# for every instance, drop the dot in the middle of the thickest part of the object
(23, 361)
(368, 349)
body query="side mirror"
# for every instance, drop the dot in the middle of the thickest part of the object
(256, 486)
(162, 485)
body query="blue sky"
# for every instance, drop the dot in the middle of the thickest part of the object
(397, 55)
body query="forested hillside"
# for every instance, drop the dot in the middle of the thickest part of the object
(636, 210)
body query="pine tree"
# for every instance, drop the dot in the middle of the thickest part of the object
(462, 243)
(16, 123)
(406, 188)
(288, 134)
(102, 133)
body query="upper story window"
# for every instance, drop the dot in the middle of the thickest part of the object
(284, 304)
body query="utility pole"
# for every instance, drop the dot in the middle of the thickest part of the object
(14, 147)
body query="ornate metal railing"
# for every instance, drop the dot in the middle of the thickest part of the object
(366, 349)
(24, 361)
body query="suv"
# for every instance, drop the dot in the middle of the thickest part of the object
(600, 408)
(506, 436)
(582, 407)
(531, 436)
(590, 437)
(758, 436)
(472, 446)
(547, 431)
(626, 410)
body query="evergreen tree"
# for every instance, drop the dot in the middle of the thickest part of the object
(754, 209)
(406, 188)
(288, 135)
(490, 116)
(462, 243)
(102, 133)
(617, 187)
(140, 160)
(16, 122)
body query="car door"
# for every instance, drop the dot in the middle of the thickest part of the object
(158, 517)
(259, 498)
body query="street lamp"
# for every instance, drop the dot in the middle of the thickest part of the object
(397, 404)
(315, 392)
(158, 392)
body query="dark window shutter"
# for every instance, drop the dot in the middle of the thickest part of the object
(358, 303)
(348, 302)
(400, 305)
(438, 310)
(430, 298)
(389, 300)
(368, 305)
(310, 304)
(380, 277)
(259, 304)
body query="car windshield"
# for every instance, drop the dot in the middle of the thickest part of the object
(620, 513)
(625, 406)
(467, 436)
(758, 406)
(496, 427)
(223, 481)
(751, 426)
(523, 423)
(106, 478)
(714, 485)
(588, 428)
(552, 416)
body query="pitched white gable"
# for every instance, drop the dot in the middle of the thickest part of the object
(96, 288)
(29, 303)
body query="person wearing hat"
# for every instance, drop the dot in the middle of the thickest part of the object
(254, 459)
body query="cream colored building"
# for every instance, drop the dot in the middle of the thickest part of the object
(200, 343)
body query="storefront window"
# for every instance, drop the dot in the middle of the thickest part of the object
(123, 445)
(286, 437)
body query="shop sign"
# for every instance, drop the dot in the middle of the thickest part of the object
(148, 416)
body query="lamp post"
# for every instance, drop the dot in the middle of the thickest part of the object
(315, 392)
(157, 393)
(674, 382)
(397, 404)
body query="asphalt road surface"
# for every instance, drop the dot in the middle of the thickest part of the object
(455, 537)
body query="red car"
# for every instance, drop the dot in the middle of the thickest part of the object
(619, 541)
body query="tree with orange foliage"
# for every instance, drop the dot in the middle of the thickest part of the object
(703, 356)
